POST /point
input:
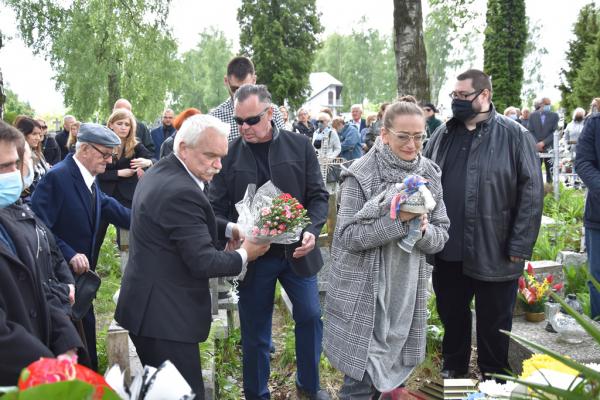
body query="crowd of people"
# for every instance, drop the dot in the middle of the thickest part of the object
(175, 187)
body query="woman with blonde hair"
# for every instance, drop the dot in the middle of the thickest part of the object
(73, 131)
(125, 169)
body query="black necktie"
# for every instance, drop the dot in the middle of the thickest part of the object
(205, 189)
(93, 198)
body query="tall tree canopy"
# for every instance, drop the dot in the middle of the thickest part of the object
(587, 83)
(445, 34)
(533, 83)
(586, 32)
(201, 72)
(411, 58)
(504, 50)
(101, 50)
(363, 61)
(281, 38)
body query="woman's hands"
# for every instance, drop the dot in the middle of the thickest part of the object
(140, 163)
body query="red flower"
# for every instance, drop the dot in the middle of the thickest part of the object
(285, 196)
(558, 286)
(521, 283)
(529, 269)
(550, 278)
(299, 206)
(49, 370)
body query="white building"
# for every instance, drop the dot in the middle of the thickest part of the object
(326, 91)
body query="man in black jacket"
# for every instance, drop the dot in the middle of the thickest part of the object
(30, 326)
(587, 166)
(62, 137)
(493, 193)
(165, 299)
(49, 145)
(260, 154)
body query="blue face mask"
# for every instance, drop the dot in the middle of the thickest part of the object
(512, 116)
(28, 180)
(11, 187)
(547, 108)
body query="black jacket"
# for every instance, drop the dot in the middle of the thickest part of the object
(172, 254)
(120, 188)
(62, 138)
(306, 130)
(30, 326)
(543, 132)
(143, 134)
(37, 247)
(587, 165)
(167, 146)
(294, 169)
(51, 150)
(503, 196)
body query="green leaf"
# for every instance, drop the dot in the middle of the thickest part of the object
(540, 390)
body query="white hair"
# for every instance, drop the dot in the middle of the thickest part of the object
(194, 127)
(578, 110)
(66, 117)
(359, 106)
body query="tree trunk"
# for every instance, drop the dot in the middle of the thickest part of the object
(411, 57)
(114, 88)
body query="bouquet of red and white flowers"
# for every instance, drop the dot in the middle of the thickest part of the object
(269, 215)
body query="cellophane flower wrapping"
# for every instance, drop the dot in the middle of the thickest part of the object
(268, 215)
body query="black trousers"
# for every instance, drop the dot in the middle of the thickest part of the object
(185, 357)
(89, 329)
(494, 304)
(548, 163)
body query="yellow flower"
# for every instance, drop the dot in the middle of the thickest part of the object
(544, 361)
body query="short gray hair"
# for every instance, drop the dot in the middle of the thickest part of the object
(249, 89)
(68, 116)
(359, 106)
(194, 127)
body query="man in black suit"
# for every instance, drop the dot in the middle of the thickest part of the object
(263, 153)
(63, 136)
(542, 124)
(165, 300)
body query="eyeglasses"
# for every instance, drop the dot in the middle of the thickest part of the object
(44, 127)
(105, 156)
(463, 96)
(427, 109)
(403, 138)
(250, 120)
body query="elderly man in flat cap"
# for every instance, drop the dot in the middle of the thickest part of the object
(68, 200)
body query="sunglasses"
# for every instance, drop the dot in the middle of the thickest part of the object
(250, 120)
(44, 127)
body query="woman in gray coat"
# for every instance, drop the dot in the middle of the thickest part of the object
(376, 304)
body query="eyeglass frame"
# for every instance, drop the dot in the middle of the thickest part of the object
(105, 156)
(251, 121)
(464, 96)
(405, 138)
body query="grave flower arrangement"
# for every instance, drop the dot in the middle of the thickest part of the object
(534, 292)
(60, 378)
(269, 215)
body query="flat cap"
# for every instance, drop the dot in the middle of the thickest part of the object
(98, 134)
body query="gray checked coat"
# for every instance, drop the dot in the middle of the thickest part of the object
(363, 228)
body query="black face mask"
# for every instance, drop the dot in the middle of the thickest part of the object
(462, 110)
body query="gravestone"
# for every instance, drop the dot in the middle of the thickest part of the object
(586, 352)
(571, 258)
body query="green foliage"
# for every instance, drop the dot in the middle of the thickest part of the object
(435, 329)
(363, 61)
(575, 278)
(228, 365)
(108, 268)
(201, 72)
(280, 37)
(585, 30)
(504, 50)
(445, 33)
(565, 234)
(102, 50)
(14, 106)
(587, 83)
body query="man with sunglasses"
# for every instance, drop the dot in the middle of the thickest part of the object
(70, 204)
(493, 193)
(263, 153)
(240, 71)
